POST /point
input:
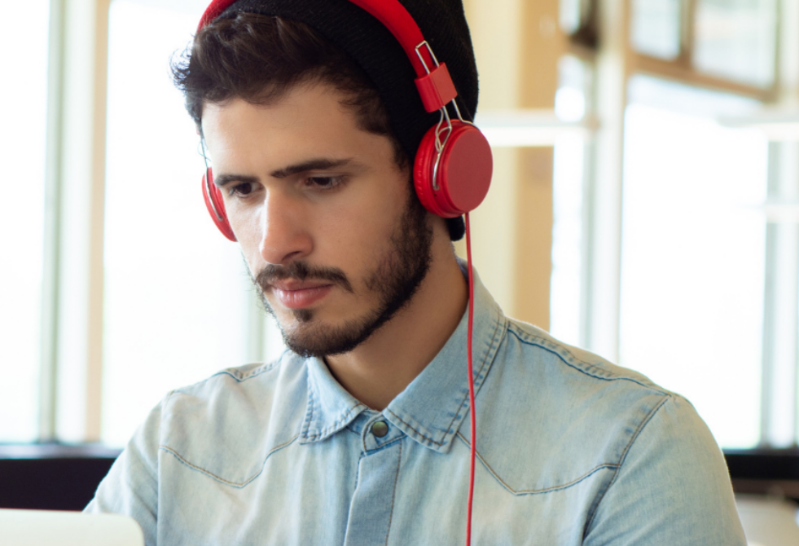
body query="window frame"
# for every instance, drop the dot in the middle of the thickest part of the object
(71, 324)
(71, 366)
(615, 63)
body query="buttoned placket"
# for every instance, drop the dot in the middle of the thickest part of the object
(426, 415)
(372, 503)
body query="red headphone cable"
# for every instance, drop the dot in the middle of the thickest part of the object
(472, 412)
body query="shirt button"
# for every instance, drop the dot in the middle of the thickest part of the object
(379, 428)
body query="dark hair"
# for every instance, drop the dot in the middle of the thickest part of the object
(258, 58)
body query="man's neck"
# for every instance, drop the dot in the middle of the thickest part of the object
(382, 366)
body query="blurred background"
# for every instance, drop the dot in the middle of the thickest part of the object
(645, 206)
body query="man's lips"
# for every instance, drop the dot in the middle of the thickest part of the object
(298, 295)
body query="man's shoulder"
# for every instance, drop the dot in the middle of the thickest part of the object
(566, 358)
(261, 377)
(247, 411)
(236, 389)
(573, 413)
(572, 372)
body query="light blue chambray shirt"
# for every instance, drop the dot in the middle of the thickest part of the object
(572, 450)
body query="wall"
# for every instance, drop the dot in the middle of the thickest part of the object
(518, 44)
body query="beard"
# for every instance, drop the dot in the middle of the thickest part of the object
(396, 278)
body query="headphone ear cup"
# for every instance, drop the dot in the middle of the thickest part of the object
(463, 174)
(215, 205)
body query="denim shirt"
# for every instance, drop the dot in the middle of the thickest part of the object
(571, 450)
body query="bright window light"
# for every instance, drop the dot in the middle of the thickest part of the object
(176, 291)
(567, 239)
(566, 290)
(693, 254)
(22, 139)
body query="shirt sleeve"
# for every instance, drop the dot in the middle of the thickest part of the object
(131, 486)
(671, 488)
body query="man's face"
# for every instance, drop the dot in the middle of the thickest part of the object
(327, 222)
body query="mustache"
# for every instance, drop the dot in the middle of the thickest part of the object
(301, 271)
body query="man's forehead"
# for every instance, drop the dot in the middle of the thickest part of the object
(318, 110)
(306, 126)
(297, 97)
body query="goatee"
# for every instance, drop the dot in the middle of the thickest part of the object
(397, 277)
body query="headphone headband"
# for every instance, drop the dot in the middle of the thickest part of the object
(399, 22)
(390, 13)
(433, 81)
(214, 10)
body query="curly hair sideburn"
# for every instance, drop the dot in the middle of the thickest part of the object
(258, 58)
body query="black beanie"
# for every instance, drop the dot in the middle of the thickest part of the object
(380, 55)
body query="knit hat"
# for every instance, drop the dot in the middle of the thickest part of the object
(379, 54)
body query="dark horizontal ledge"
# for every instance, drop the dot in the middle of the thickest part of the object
(763, 464)
(52, 476)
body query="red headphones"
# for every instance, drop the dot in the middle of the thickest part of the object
(453, 165)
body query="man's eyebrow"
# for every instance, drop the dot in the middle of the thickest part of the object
(310, 165)
(223, 179)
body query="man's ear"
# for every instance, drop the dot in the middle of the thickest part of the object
(456, 227)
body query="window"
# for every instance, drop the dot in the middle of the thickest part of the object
(656, 27)
(685, 270)
(693, 253)
(567, 287)
(735, 39)
(732, 41)
(22, 139)
(83, 359)
(179, 304)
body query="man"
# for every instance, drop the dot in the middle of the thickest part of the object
(357, 436)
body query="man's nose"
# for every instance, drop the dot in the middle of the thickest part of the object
(284, 234)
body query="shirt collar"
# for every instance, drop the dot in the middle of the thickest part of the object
(431, 409)
(330, 407)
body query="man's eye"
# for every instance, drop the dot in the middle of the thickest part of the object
(324, 182)
(245, 188)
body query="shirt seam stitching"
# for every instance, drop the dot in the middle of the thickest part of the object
(313, 436)
(487, 358)
(541, 345)
(238, 485)
(492, 348)
(401, 420)
(263, 368)
(311, 400)
(331, 428)
(538, 491)
(635, 436)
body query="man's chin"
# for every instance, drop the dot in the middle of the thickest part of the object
(287, 318)
(313, 337)
(302, 316)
